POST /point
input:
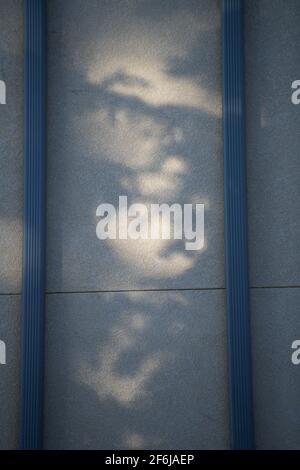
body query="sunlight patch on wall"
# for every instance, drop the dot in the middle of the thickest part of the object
(111, 383)
(136, 59)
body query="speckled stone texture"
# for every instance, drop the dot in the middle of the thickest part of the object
(273, 140)
(11, 146)
(136, 370)
(134, 92)
(10, 373)
(275, 325)
(11, 196)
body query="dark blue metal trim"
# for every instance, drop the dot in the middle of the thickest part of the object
(33, 298)
(239, 342)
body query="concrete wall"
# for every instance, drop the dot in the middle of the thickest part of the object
(273, 142)
(11, 180)
(134, 359)
(136, 331)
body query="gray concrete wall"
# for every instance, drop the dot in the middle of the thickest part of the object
(136, 370)
(134, 109)
(11, 179)
(135, 331)
(273, 142)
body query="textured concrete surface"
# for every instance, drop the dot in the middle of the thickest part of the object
(11, 146)
(134, 109)
(273, 140)
(272, 35)
(11, 179)
(275, 325)
(137, 113)
(140, 370)
(9, 373)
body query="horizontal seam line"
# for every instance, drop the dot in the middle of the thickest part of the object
(10, 293)
(2, 294)
(274, 287)
(200, 289)
(135, 290)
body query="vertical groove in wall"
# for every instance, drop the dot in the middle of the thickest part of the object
(34, 225)
(239, 345)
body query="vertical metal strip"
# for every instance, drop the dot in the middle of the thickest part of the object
(239, 344)
(32, 349)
